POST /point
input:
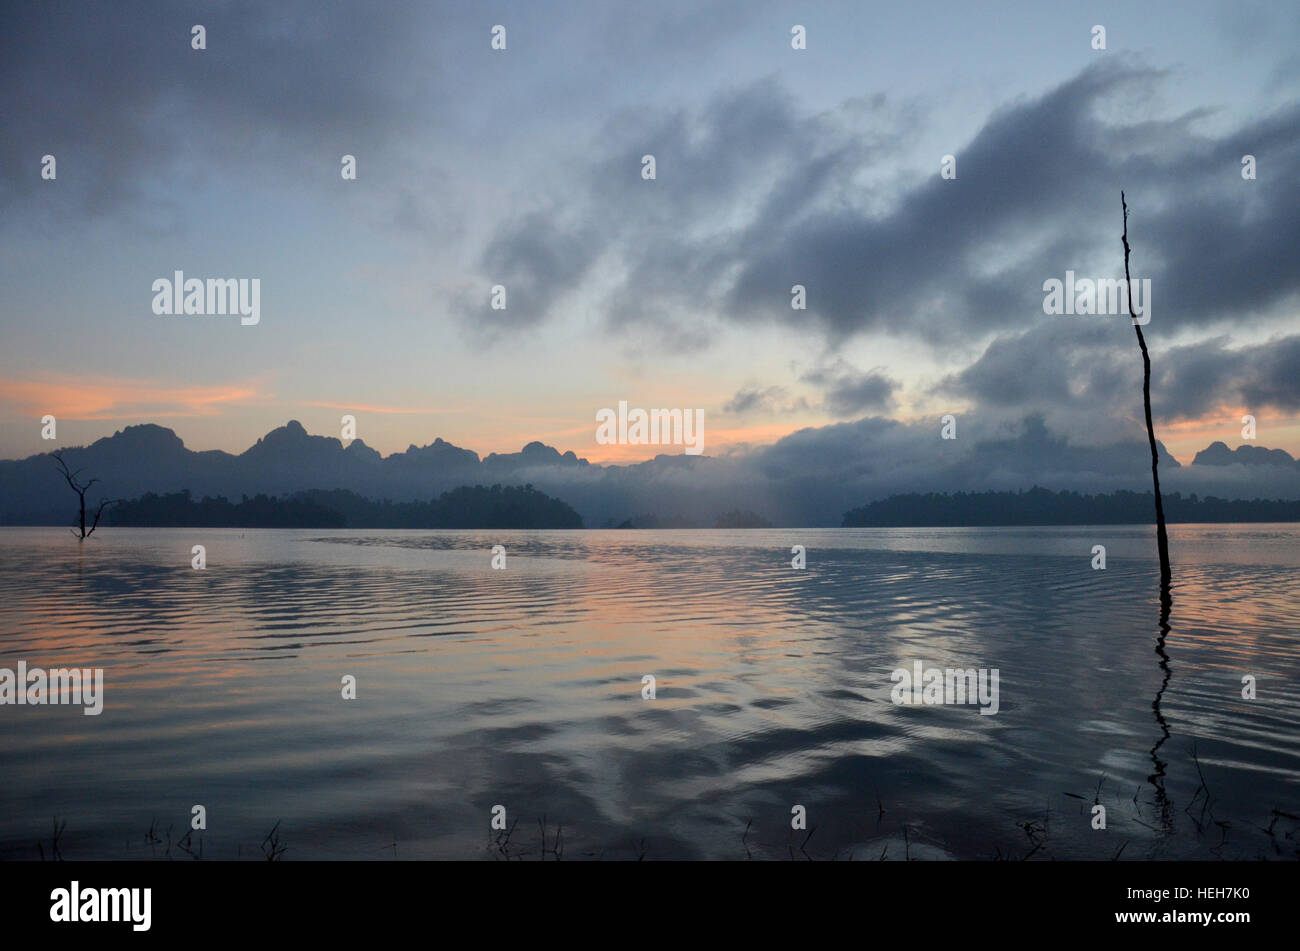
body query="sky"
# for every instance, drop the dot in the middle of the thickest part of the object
(522, 167)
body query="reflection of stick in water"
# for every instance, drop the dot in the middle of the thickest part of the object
(1157, 778)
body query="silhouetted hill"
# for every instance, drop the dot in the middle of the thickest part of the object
(807, 478)
(439, 454)
(1218, 454)
(534, 454)
(152, 459)
(1039, 506)
(509, 507)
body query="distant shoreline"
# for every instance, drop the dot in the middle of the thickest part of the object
(520, 508)
(1039, 506)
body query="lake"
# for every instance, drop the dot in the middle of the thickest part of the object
(523, 688)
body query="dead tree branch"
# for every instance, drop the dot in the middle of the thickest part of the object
(1162, 535)
(71, 478)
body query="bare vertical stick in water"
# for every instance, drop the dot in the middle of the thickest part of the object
(1157, 778)
(1162, 536)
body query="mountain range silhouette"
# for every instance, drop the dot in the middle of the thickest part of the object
(793, 482)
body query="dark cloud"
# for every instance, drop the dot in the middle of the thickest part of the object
(1092, 365)
(1202, 376)
(753, 196)
(118, 95)
(851, 392)
(1062, 362)
(770, 400)
(723, 175)
(537, 260)
(1272, 377)
(1042, 178)
(867, 392)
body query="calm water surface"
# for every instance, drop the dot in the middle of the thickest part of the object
(522, 688)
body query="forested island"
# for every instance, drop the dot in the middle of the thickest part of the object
(1039, 506)
(498, 507)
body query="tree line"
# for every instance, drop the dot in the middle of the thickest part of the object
(1039, 506)
(502, 507)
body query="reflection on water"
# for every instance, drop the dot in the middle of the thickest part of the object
(1157, 778)
(523, 688)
